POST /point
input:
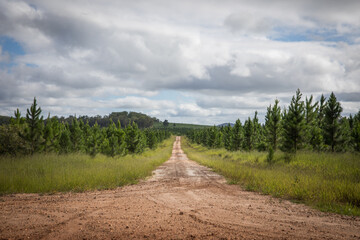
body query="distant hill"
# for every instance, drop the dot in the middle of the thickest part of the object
(4, 120)
(180, 125)
(142, 120)
(225, 124)
(179, 128)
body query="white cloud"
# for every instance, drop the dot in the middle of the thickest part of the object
(224, 54)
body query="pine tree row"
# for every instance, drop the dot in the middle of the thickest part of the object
(31, 135)
(305, 124)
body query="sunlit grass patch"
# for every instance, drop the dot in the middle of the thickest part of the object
(327, 181)
(46, 173)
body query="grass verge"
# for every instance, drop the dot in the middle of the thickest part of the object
(48, 173)
(327, 181)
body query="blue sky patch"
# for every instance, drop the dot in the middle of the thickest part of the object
(321, 35)
(11, 46)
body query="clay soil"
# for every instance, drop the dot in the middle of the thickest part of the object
(182, 200)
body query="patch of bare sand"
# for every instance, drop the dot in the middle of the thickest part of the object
(182, 200)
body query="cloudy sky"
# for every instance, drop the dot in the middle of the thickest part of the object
(204, 62)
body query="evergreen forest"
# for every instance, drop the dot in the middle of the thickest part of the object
(305, 125)
(33, 134)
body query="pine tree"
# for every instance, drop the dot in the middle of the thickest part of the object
(86, 129)
(110, 144)
(151, 139)
(256, 131)
(48, 135)
(34, 130)
(142, 142)
(345, 143)
(18, 120)
(94, 140)
(294, 124)
(64, 140)
(311, 122)
(227, 137)
(11, 141)
(248, 135)
(212, 137)
(316, 140)
(134, 140)
(120, 134)
(332, 113)
(355, 131)
(273, 124)
(76, 136)
(321, 112)
(237, 136)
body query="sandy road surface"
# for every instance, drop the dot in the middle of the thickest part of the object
(182, 200)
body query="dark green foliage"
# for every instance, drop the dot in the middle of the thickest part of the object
(316, 139)
(10, 141)
(294, 124)
(257, 132)
(65, 141)
(312, 128)
(302, 125)
(34, 130)
(321, 111)
(332, 113)
(110, 143)
(344, 143)
(76, 136)
(273, 124)
(18, 120)
(270, 156)
(135, 140)
(179, 129)
(237, 136)
(94, 140)
(354, 123)
(212, 139)
(5, 120)
(126, 118)
(166, 123)
(51, 135)
(151, 139)
(248, 135)
(227, 137)
(33, 134)
(355, 134)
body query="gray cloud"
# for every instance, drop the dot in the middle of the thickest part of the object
(129, 51)
(247, 23)
(349, 97)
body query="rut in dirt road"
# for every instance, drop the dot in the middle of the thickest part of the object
(182, 200)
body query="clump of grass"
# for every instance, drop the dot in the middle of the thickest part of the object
(46, 173)
(270, 156)
(327, 181)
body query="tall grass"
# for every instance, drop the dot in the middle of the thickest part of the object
(327, 181)
(77, 172)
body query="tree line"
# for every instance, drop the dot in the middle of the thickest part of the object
(142, 120)
(310, 125)
(32, 134)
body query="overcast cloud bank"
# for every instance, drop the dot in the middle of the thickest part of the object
(224, 59)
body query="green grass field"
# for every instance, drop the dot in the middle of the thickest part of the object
(327, 181)
(48, 173)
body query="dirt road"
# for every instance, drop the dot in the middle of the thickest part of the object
(182, 200)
